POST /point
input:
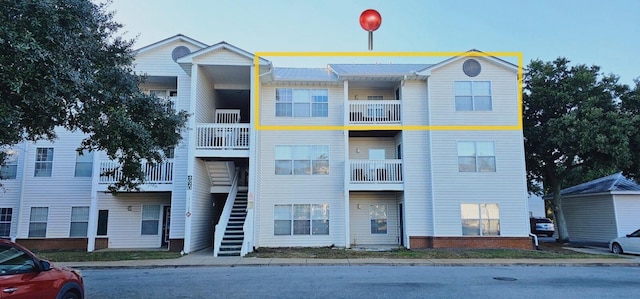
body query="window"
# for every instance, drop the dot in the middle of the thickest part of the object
(302, 159)
(103, 220)
(150, 219)
(44, 162)
(302, 102)
(9, 170)
(476, 156)
(301, 219)
(375, 98)
(5, 221)
(378, 216)
(84, 163)
(480, 219)
(38, 222)
(79, 221)
(473, 95)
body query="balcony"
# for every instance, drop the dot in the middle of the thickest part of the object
(222, 140)
(374, 112)
(158, 176)
(375, 175)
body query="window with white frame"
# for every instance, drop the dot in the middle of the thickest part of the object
(476, 156)
(44, 162)
(9, 170)
(38, 222)
(84, 163)
(480, 219)
(5, 222)
(302, 159)
(79, 221)
(150, 219)
(301, 219)
(293, 102)
(378, 216)
(473, 95)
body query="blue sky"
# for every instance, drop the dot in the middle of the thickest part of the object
(604, 33)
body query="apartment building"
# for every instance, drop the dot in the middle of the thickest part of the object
(349, 155)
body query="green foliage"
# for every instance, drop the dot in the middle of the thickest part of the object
(574, 127)
(62, 65)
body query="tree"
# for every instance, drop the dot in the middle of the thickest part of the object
(630, 103)
(62, 64)
(574, 129)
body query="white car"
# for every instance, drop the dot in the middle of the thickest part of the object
(627, 244)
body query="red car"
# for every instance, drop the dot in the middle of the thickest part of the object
(24, 275)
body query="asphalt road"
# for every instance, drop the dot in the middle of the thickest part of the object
(364, 282)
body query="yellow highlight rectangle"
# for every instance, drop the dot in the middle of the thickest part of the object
(258, 126)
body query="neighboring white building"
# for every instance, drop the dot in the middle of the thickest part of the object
(236, 188)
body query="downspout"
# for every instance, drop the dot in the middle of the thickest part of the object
(535, 240)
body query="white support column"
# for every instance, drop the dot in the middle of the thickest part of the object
(191, 141)
(347, 167)
(92, 228)
(252, 196)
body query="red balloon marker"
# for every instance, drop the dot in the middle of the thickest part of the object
(370, 21)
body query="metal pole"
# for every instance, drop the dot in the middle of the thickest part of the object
(370, 40)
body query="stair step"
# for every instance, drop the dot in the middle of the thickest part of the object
(229, 253)
(234, 237)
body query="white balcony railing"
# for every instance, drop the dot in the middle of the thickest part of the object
(376, 171)
(222, 136)
(374, 112)
(154, 173)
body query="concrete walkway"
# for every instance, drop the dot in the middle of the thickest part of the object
(205, 259)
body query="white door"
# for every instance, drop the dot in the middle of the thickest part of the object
(633, 242)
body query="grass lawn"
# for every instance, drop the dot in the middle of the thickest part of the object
(83, 256)
(547, 251)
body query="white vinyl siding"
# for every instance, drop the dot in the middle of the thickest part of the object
(79, 221)
(60, 192)
(125, 218)
(504, 95)
(361, 206)
(451, 188)
(158, 61)
(202, 211)
(38, 222)
(299, 189)
(417, 161)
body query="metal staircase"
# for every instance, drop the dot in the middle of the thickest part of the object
(231, 244)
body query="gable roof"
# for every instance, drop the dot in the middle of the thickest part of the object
(608, 184)
(504, 63)
(170, 40)
(218, 46)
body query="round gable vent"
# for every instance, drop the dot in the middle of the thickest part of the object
(471, 67)
(179, 51)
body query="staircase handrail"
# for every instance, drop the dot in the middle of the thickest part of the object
(247, 229)
(221, 227)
